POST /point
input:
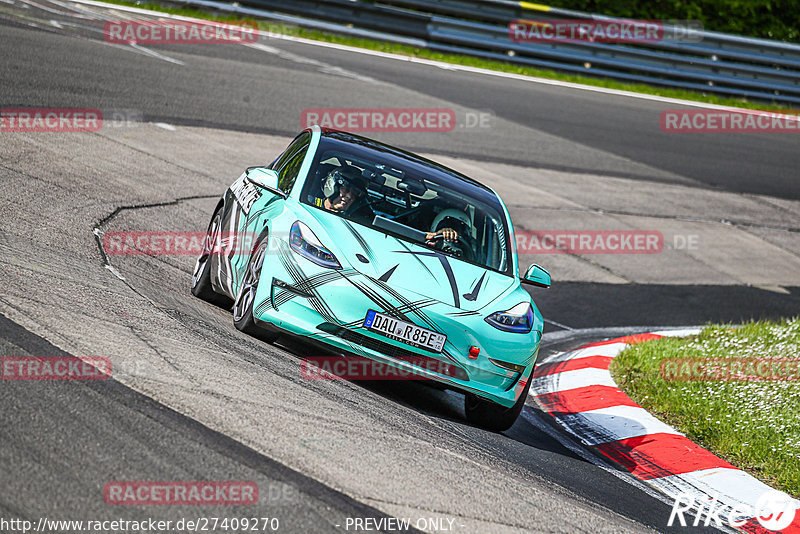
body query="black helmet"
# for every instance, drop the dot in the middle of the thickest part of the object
(345, 176)
(456, 224)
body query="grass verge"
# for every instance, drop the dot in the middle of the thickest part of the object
(753, 424)
(465, 60)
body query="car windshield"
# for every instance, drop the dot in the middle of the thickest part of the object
(411, 200)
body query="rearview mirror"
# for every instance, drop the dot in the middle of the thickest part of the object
(536, 276)
(264, 178)
(412, 186)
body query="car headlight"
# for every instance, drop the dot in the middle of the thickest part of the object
(518, 319)
(304, 242)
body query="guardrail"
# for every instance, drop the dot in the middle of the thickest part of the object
(709, 62)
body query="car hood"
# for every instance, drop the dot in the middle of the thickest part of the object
(411, 268)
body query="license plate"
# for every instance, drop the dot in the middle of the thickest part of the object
(408, 333)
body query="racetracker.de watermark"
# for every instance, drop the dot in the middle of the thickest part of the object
(602, 31)
(55, 368)
(179, 32)
(175, 243)
(589, 241)
(181, 493)
(66, 120)
(730, 369)
(50, 120)
(355, 368)
(727, 121)
(435, 120)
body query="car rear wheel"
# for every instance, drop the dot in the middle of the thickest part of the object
(201, 277)
(243, 305)
(492, 416)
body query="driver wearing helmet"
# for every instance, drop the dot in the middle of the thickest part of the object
(451, 234)
(345, 191)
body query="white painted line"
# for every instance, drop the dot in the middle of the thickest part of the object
(156, 54)
(114, 271)
(571, 380)
(512, 76)
(612, 349)
(565, 327)
(45, 8)
(679, 333)
(165, 126)
(613, 424)
(733, 483)
(322, 67)
(443, 65)
(609, 349)
(561, 357)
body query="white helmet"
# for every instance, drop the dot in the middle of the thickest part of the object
(452, 213)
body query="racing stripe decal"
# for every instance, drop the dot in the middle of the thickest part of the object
(227, 259)
(255, 214)
(409, 251)
(473, 295)
(301, 281)
(411, 306)
(450, 278)
(360, 239)
(448, 270)
(417, 310)
(463, 314)
(385, 276)
(284, 295)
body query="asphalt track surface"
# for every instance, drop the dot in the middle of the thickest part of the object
(212, 404)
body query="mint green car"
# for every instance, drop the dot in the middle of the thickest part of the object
(377, 253)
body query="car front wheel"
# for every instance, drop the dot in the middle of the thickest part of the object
(492, 416)
(201, 277)
(243, 305)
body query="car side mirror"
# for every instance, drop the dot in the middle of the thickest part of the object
(264, 178)
(536, 276)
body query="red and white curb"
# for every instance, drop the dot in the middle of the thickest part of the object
(576, 388)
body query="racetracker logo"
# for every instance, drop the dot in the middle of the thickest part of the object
(723, 121)
(589, 241)
(181, 493)
(602, 31)
(179, 32)
(355, 368)
(55, 368)
(730, 369)
(381, 119)
(50, 120)
(177, 243)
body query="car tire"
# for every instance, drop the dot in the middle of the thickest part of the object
(492, 416)
(201, 276)
(243, 304)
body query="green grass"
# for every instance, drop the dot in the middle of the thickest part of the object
(458, 59)
(754, 425)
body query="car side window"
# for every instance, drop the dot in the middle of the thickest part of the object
(288, 174)
(289, 163)
(296, 143)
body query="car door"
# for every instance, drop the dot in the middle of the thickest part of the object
(268, 205)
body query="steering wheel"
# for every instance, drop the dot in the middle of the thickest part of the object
(461, 247)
